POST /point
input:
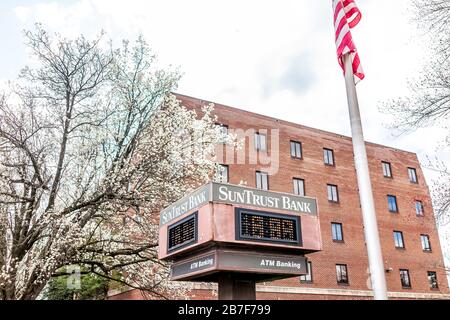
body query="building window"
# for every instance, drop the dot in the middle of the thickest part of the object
(341, 274)
(260, 142)
(296, 150)
(412, 175)
(419, 208)
(426, 245)
(337, 232)
(387, 170)
(328, 156)
(333, 195)
(392, 203)
(299, 187)
(398, 240)
(223, 131)
(222, 174)
(404, 278)
(307, 278)
(432, 280)
(262, 180)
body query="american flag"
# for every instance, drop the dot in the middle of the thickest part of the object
(347, 16)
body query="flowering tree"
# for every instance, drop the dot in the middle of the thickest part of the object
(92, 146)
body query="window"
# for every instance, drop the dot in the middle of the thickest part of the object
(328, 157)
(223, 129)
(222, 174)
(398, 240)
(392, 203)
(333, 195)
(412, 175)
(404, 278)
(419, 208)
(337, 233)
(341, 274)
(387, 170)
(262, 180)
(426, 245)
(307, 278)
(299, 187)
(432, 280)
(260, 142)
(296, 150)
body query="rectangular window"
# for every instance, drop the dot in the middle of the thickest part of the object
(260, 142)
(333, 195)
(299, 187)
(262, 180)
(341, 274)
(412, 173)
(223, 131)
(307, 278)
(296, 150)
(426, 245)
(387, 170)
(328, 157)
(419, 208)
(392, 203)
(398, 240)
(404, 278)
(432, 280)
(222, 174)
(337, 232)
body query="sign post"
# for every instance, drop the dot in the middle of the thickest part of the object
(238, 236)
(235, 289)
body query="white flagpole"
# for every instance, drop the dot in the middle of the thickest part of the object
(376, 265)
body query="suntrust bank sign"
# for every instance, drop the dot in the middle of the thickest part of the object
(237, 195)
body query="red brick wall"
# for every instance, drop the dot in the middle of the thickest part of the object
(343, 174)
(317, 175)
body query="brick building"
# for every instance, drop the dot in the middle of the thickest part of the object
(320, 164)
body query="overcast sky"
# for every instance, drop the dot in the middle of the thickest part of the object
(272, 57)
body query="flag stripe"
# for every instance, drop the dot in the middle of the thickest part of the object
(346, 17)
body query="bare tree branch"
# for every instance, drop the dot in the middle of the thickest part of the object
(91, 149)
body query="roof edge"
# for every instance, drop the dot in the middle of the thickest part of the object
(291, 123)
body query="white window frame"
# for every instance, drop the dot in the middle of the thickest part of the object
(387, 169)
(296, 150)
(262, 180)
(260, 142)
(396, 239)
(333, 193)
(328, 157)
(421, 212)
(223, 132)
(426, 243)
(299, 186)
(337, 231)
(222, 174)
(307, 278)
(412, 173)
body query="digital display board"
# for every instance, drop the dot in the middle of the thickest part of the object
(267, 227)
(183, 233)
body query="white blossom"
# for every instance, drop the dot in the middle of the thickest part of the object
(92, 147)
